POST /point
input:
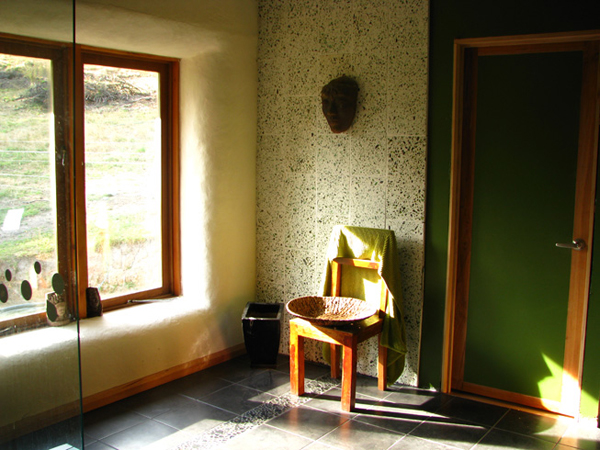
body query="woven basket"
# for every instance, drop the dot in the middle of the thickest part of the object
(330, 310)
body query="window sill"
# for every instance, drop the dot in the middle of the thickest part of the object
(136, 313)
(38, 321)
(46, 336)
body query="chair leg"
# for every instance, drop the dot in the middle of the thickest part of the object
(382, 368)
(296, 361)
(334, 357)
(349, 375)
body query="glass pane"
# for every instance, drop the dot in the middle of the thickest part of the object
(123, 180)
(39, 368)
(27, 186)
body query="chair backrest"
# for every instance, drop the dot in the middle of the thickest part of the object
(336, 277)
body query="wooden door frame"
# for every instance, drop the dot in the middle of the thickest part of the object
(466, 52)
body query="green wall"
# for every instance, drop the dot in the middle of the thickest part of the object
(449, 20)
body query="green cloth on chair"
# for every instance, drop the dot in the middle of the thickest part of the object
(376, 245)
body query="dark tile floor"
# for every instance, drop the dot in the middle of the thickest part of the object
(232, 406)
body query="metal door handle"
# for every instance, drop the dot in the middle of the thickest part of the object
(578, 244)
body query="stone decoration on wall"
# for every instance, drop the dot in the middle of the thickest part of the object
(373, 175)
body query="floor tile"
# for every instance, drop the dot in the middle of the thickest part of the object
(155, 402)
(320, 446)
(472, 411)
(312, 370)
(271, 381)
(400, 423)
(539, 426)
(414, 443)
(171, 441)
(237, 399)
(585, 437)
(234, 370)
(456, 433)
(195, 417)
(368, 386)
(420, 400)
(283, 363)
(97, 445)
(331, 401)
(109, 420)
(504, 439)
(237, 406)
(393, 410)
(308, 422)
(139, 436)
(266, 437)
(200, 385)
(357, 435)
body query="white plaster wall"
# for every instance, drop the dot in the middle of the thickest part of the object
(217, 44)
(309, 179)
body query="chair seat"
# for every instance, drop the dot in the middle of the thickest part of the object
(363, 330)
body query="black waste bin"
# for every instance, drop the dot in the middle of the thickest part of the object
(261, 323)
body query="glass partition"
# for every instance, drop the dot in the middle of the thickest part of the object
(40, 389)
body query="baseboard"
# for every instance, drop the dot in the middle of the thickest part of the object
(143, 384)
(64, 412)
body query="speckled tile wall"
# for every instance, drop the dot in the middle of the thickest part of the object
(373, 175)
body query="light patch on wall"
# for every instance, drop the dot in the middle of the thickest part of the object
(551, 385)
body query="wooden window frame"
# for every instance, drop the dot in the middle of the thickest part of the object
(168, 70)
(67, 73)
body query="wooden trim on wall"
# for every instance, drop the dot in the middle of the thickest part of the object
(143, 384)
(465, 215)
(457, 94)
(530, 39)
(512, 397)
(583, 228)
(532, 48)
(461, 198)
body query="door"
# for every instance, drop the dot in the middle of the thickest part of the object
(524, 170)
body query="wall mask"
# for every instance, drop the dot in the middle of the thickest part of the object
(338, 100)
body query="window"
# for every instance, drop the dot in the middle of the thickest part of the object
(97, 199)
(128, 176)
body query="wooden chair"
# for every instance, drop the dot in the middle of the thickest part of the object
(348, 336)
